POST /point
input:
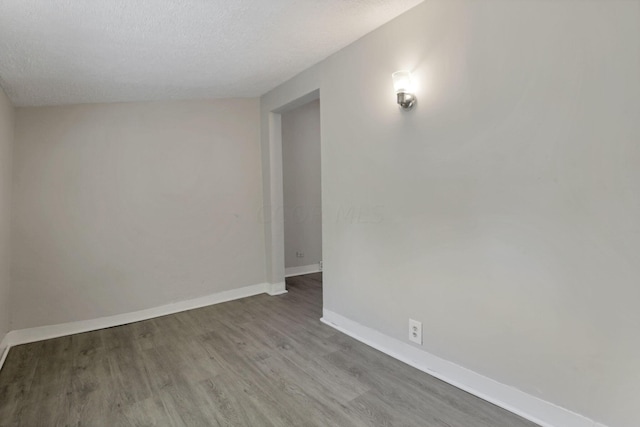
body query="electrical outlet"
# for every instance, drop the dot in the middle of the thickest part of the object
(300, 254)
(320, 265)
(415, 331)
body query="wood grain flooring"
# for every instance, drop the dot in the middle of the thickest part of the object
(259, 361)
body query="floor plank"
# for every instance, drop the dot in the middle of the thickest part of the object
(259, 361)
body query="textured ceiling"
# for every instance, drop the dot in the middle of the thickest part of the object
(56, 52)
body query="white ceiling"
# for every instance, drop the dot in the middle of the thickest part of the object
(56, 52)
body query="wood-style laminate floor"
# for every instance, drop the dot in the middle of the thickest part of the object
(259, 361)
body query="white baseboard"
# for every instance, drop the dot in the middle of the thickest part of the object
(23, 336)
(527, 406)
(305, 269)
(4, 349)
(277, 289)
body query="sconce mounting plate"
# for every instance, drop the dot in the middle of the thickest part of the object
(406, 100)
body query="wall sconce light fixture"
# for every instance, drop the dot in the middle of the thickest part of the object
(404, 89)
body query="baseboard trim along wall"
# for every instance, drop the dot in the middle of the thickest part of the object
(4, 349)
(299, 271)
(527, 406)
(24, 336)
(277, 289)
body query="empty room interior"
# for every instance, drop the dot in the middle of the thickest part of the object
(320, 213)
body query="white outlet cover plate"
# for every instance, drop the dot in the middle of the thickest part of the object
(415, 331)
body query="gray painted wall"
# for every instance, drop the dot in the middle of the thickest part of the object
(503, 211)
(6, 146)
(301, 183)
(122, 207)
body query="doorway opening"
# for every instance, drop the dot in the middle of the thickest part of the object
(298, 122)
(302, 195)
